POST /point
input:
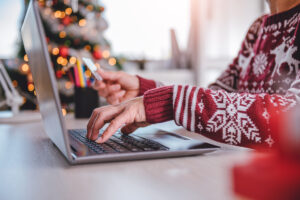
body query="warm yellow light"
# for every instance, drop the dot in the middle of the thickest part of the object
(30, 87)
(72, 60)
(64, 62)
(62, 34)
(105, 54)
(112, 61)
(62, 14)
(68, 85)
(87, 47)
(55, 51)
(57, 14)
(26, 58)
(59, 60)
(34, 93)
(25, 67)
(64, 111)
(82, 22)
(88, 73)
(96, 47)
(68, 11)
(15, 83)
(90, 7)
(24, 100)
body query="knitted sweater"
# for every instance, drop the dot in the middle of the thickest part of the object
(236, 108)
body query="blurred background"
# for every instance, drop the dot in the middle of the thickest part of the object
(172, 41)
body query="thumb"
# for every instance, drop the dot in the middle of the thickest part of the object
(108, 75)
(130, 128)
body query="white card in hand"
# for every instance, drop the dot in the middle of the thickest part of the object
(89, 63)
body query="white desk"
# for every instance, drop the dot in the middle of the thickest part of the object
(32, 168)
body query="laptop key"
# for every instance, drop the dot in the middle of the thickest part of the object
(117, 147)
(119, 143)
(126, 144)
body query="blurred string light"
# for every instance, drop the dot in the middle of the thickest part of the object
(68, 85)
(105, 54)
(15, 83)
(68, 11)
(25, 58)
(62, 34)
(64, 62)
(112, 61)
(64, 111)
(57, 14)
(59, 60)
(30, 87)
(55, 51)
(62, 14)
(72, 60)
(25, 68)
(90, 7)
(82, 22)
(87, 47)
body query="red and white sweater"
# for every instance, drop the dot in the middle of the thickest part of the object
(236, 108)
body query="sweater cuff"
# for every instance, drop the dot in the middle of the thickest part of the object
(158, 104)
(145, 84)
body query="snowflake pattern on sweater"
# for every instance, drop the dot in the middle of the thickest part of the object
(236, 108)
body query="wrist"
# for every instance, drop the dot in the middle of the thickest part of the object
(158, 104)
(144, 85)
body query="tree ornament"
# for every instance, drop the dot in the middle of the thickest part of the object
(97, 54)
(59, 73)
(63, 51)
(66, 20)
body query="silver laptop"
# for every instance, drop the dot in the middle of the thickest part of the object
(145, 143)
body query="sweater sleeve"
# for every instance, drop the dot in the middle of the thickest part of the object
(147, 84)
(235, 118)
(229, 79)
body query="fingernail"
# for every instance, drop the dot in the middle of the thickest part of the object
(99, 140)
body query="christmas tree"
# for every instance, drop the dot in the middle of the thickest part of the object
(74, 29)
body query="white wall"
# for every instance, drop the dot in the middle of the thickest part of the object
(141, 28)
(221, 25)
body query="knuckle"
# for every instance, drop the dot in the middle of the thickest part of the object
(95, 111)
(114, 123)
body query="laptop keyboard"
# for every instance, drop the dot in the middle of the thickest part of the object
(119, 143)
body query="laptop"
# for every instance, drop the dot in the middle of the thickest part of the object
(146, 143)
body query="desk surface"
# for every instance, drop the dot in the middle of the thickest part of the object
(32, 168)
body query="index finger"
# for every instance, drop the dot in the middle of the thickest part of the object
(99, 85)
(109, 75)
(113, 127)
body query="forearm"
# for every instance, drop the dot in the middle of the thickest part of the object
(147, 84)
(236, 118)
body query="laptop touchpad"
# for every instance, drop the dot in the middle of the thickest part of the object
(175, 141)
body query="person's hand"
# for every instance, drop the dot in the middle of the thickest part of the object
(117, 87)
(131, 113)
